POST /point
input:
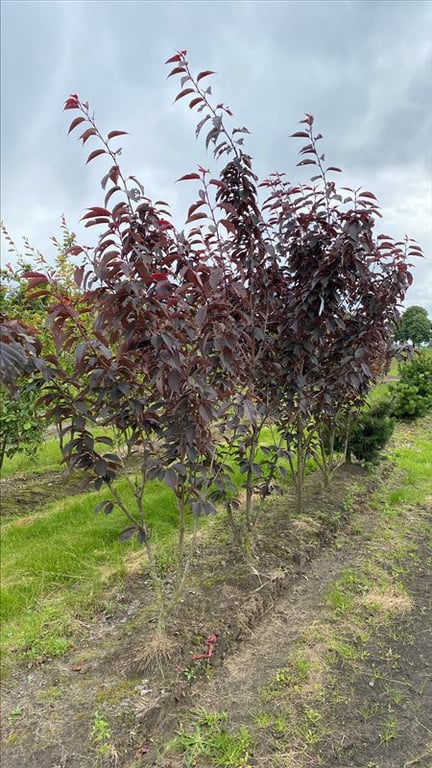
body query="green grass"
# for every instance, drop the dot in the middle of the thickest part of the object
(56, 565)
(46, 457)
(206, 741)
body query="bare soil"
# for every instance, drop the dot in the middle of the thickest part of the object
(52, 712)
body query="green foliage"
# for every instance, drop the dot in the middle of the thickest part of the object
(366, 434)
(20, 428)
(209, 740)
(371, 431)
(407, 403)
(101, 734)
(412, 394)
(414, 326)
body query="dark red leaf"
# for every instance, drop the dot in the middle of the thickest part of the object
(176, 57)
(78, 276)
(96, 222)
(72, 102)
(29, 275)
(110, 193)
(299, 135)
(165, 224)
(176, 71)
(370, 195)
(75, 250)
(204, 74)
(39, 294)
(112, 134)
(96, 211)
(194, 207)
(194, 102)
(184, 93)
(132, 530)
(189, 176)
(307, 162)
(117, 208)
(75, 122)
(333, 168)
(35, 281)
(87, 134)
(192, 277)
(95, 153)
(196, 216)
(228, 225)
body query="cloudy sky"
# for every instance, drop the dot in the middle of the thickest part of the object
(362, 67)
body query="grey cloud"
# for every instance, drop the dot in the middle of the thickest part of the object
(363, 68)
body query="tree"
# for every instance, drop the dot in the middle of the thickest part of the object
(414, 326)
(21, 428)
(282, 309)
(21, 425)
(341, 290)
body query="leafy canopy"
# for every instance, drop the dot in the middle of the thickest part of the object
(414, 326)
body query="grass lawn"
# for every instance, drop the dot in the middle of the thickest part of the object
(57, 563)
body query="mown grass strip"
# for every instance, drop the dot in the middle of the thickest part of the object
(56, 564)
(46, 457)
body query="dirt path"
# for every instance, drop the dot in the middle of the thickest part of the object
(378, 713)
(258, 659)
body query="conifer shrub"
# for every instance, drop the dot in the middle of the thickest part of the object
(412, 394)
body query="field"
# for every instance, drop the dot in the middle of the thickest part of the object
(321, 658)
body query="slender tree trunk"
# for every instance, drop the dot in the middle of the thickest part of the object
(300, 466)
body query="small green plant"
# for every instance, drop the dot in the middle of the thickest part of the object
(49, 695)
(101, 734)
(207, 737)
(312, 729)
(15, 714)
(282, 678)
(371, 431)
(303, 668)
(347, 651)
(190, 673)
(369, 710)
(262, 719)
(389, 731)
(280, 725)
(339, 600)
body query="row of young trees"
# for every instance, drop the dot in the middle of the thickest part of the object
(276, 304)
